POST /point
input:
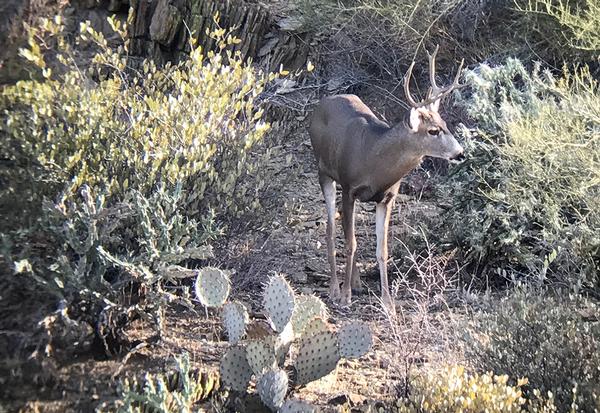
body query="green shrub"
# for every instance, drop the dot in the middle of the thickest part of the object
(376, 40)
(115, 128)
(453, 389)
(527, 201)
(117, 176)
(567, 25)
(553, 341)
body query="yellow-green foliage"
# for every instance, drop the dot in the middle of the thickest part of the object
(528, 199)
(578, 21)
(114, 127)
(116, 173)
(553, 341)
(454, 390)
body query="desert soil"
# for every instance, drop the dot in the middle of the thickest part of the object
(293, 244)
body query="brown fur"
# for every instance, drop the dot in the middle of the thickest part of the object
(368, 158)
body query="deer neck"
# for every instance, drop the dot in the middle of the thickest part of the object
(400, 147)
(393, 155)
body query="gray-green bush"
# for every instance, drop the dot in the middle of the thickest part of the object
(177, 391)
(527, 201)
(554, 341)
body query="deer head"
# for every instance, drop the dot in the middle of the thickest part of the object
(425, 121)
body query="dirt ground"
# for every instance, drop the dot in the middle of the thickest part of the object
(294, 244)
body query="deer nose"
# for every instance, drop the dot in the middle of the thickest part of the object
(460, 156)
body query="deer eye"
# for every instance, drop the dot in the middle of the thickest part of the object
(434, 132)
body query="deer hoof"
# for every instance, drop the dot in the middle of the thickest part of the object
(357, 288)
(346, 298)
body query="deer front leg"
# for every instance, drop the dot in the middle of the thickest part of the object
(348, 224)
(382, 220)
(328, 188)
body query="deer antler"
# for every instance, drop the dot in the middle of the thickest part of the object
(409, 97)
(435, 92)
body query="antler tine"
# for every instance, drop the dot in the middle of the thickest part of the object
(434, 92)
(434, 87)
(455, 85)
(409, 97)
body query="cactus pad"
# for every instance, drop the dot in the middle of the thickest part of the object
(354, 339)
(317, 357)
(280, 347)
(260, 356)
(212, 287)
(296, 406)
(278, 301)
(235, 320)
(306, 309)
(235, 370)
(272, 386)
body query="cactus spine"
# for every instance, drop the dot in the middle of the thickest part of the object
(272, 386)
(235, 370)
(260, 356)
(212, 287)
(279, 301)
(235, 320)
(354, 340)
(317, 357)
(307, 308)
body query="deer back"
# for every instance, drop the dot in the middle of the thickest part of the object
(343, 132)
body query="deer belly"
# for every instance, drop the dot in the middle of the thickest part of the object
(367, 194)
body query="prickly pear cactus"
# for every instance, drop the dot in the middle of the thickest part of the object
(235, 370)
(235, 320)
(272, 386)
(316, 325)
(354, 339)
(278, 301)
(280, 347)
(212, 287)
(317, 356)
(296, 406)
(306, 309)
(260, 356)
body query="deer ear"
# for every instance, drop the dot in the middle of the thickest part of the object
(415, 119)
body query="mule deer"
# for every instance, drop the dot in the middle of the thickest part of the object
(368, 158)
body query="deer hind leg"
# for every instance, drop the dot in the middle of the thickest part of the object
(356, 284)
(382, 214)
(328, 188)
(348, 224)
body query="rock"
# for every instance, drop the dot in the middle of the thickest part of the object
(290, 24)
(11, 20)
(166, 23)
(299, 277)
